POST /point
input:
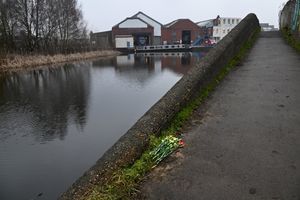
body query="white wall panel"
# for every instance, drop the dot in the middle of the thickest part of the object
(124, 42)
(156, 26)
(133, 23)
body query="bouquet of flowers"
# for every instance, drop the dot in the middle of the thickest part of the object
(167, 146)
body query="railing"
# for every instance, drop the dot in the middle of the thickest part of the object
(163, 54)
(162, 47)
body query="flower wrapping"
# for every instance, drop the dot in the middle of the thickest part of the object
(167, 146)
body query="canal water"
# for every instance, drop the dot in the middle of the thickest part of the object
(56, 122)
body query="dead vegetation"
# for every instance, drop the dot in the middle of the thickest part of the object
(11, 63)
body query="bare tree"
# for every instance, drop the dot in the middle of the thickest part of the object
(66, 18)
(24, 14)
(42, 25)
(8, 25)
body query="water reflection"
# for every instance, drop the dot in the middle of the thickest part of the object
(55, 123)
(142, 67)
(44, 101)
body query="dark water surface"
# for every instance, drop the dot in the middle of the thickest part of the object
(55, 123)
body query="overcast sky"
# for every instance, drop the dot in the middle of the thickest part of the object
(102, 15)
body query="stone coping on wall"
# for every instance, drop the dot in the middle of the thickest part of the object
(133, 143)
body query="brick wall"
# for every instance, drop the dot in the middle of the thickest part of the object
(178, 27)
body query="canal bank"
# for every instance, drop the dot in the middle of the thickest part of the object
(133, 143)
(13, 63)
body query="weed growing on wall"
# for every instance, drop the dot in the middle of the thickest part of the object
(291, 40)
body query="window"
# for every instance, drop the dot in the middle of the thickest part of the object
(232, 21)
(237, 20)
(228, 21)
(224, 21)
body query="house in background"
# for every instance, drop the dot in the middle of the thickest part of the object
(219, 27)
(141, 30)
(222, 26)
(267, 27)
(138, 30)
(181, 31)
(132, 32)
(207, 27)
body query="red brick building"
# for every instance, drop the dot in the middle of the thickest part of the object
(181, 31)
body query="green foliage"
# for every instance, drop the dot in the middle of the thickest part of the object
(291, 40)
(124, 182)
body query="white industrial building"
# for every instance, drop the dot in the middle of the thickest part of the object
(155, 24)
(138, 30)
(222, 26)
(219, 27)
(267, 27)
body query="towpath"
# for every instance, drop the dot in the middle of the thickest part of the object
(245, 142)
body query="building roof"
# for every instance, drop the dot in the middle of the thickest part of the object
(230, 18)
(136, 15)
(171, 23)
(206, 23)
(128, 18)
(176, 21)
(101, 33)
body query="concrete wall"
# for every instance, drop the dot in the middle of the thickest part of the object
(124, 42)
(156, 40)
(131, 145)
(286, 18)
(286, 15)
